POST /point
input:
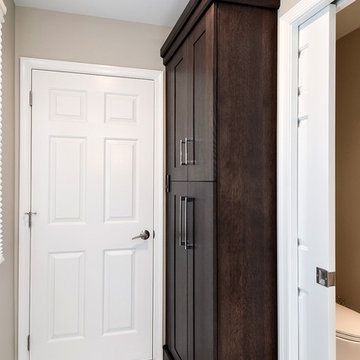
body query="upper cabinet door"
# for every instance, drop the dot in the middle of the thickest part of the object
(177, 114)
(200, 143)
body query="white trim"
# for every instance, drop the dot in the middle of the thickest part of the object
(2, 20)
(159, 224)
(287, 174)
(26, 67)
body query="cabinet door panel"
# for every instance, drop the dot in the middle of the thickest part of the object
(191, 279)
(201, 91)
(177, 273)
(177, 113)
(203, 227)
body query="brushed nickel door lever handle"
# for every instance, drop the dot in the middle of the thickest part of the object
(144, 235)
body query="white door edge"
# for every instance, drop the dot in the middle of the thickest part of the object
(27, 65)
(288, 321)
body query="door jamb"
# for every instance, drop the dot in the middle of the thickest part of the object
(27, 65)
(288, 321)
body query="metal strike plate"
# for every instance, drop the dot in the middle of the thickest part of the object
(325, 278)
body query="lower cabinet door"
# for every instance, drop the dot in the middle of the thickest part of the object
(178, 322)
(203, 271)
(190, 271)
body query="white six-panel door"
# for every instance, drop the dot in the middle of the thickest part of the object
(92, 191)
(316, 185)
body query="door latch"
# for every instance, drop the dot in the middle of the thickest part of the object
(167, 186)
(325, 278)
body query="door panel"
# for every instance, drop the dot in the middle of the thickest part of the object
(92, 189)
(177, 273)
(190, 270)
(190, 98)
(177, 114)
(182, 289)
(316, 184)
(202, 235)
(201, 131)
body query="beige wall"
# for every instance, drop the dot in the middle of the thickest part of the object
(60, 36)
(7, 315)
(348, 169)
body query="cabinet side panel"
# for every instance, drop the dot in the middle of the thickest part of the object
(246, 173)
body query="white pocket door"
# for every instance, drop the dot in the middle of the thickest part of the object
(92, 191)
(316, 186)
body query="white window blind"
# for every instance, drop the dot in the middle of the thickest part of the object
(2, 18)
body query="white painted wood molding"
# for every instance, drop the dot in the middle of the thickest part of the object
(288, 26)
(2, 19)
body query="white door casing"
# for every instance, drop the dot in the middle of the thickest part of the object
(288, 269)
(92, 187)
(316, 184)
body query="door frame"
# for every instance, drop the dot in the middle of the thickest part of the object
(288, 321)
(27, 65)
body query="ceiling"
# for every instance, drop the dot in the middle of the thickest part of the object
(157, 12)
(348, 19)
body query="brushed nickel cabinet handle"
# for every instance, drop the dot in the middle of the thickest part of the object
(187, 161)
(187, 245)
(181, 242)
(182, 145)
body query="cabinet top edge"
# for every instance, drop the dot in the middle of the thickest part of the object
(201, 6)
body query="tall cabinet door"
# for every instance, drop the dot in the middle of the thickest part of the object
(201, 219)
(201, 129)
(191, 279)
(179, 272)
(177, 89)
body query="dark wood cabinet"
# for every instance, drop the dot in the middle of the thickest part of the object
(190, 107)
(190, 283)
(177, 113)
(201, 128)
(177, 278)
(221, 297)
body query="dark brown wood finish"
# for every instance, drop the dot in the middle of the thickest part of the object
(190, 105)
(192, 13)
(191, 281)
(202, 99)
(177, 278)
(221, 91)
(167, 354)
(203, 230)
(246, 117)
(177, 91)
